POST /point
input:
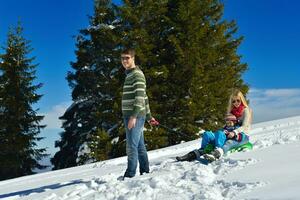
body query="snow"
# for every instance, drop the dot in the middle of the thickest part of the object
(99, 26)
(158, 73)
(115, 140)
(83, 150)
(270, 171)
(113, 72)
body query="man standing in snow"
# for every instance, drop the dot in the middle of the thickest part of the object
(136, 110)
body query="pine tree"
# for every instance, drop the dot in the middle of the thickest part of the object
(209, 53)
(188, 54)
(96, 90)
(101, 145)
(20, 123)
(143, 25)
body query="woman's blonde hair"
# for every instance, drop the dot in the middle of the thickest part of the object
(239, 94)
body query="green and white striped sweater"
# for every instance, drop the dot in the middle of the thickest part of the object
(134, 100)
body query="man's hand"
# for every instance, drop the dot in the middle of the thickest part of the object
(153, 122)
(131, 122)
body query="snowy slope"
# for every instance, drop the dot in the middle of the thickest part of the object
(270, 171)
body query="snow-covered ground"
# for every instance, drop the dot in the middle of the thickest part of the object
(270, 171)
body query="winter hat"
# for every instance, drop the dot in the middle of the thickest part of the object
(230, 117)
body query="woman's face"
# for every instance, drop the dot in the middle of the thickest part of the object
(236, 101)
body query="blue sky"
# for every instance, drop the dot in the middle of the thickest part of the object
(271, 48)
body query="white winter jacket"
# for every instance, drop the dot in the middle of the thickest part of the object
(246, 120)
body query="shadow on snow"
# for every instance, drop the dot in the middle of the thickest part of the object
(40, 189)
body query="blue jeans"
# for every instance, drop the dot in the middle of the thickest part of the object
(218, 139)
(135, 148)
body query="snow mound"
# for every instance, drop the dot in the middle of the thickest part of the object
(235, 176)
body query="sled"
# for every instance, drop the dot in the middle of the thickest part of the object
(247, 146)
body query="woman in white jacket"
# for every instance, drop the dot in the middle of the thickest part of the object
(238, 107)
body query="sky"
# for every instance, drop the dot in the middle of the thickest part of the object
(270, 48)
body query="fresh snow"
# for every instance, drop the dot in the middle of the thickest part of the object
(99, 26)
(270, 171)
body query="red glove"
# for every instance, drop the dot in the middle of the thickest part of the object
(153, 122)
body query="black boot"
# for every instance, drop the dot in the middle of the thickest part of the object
(199, 152)
(146, 172)
(187, 157)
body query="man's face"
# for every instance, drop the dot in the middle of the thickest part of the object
(127, 61)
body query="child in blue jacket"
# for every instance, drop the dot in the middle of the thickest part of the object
(217, 139)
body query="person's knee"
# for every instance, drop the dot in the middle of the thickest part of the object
(131, 150)
(220, 138)
(142, 150)
(207, 135)
(219, 133)
(132, 143)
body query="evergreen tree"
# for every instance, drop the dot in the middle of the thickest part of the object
(19, 122)
(101, 145)
(188, 54)
(96, 90)
(143, 25)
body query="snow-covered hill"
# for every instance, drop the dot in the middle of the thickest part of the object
(270, 171)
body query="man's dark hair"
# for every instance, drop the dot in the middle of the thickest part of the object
(128, 51)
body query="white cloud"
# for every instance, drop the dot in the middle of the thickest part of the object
(282, 93)
(270, 104)
(51, 117)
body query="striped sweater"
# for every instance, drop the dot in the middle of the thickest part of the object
(134, 99)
